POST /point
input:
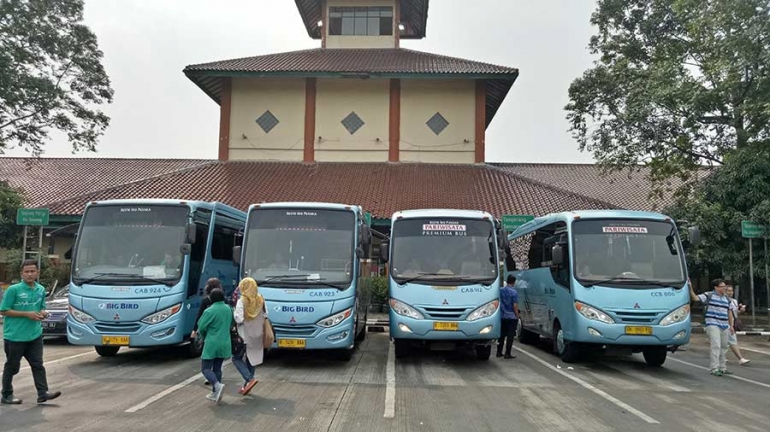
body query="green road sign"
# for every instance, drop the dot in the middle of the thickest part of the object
(751, 229)
(511, 222)
(35, 217)
(368, 218)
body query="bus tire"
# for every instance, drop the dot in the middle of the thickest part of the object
(107, 351)
(655, 356)
(360, 332)
(345, 354)
(569, 352)
(402, 347)
(193, 349)
(483, 352)
(527, 337)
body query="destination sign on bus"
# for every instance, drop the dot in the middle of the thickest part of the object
(625, 229)
(443, 228)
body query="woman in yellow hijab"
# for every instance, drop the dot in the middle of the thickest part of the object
(250, 314)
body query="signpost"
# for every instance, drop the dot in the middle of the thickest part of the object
(752, 230)
(33, 217)
(511, 222)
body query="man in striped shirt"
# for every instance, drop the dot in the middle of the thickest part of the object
(719, 323)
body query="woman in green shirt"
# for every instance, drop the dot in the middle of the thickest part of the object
(214, 327)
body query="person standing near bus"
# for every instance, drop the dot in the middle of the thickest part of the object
(719, 323)
(732, 338)
(509, 306)
(214, 327)
(250, 315)
(23, 307)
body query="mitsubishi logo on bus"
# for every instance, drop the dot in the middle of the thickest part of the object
(116, 317)
(292, 320)
(636, 306)
(445, 302)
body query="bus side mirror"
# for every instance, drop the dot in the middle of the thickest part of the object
(366, 236)
(384, 252)
(694, 235)
(236, 255)
(190, 233)
(557, 255)
(185, 248)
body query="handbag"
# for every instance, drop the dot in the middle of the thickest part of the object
(268, 336)
(236, 341)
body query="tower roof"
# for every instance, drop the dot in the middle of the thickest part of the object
(414, 17)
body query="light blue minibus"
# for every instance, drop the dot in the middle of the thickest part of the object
(444, 280)
(607, 279)
(139, 268)
(306, 259)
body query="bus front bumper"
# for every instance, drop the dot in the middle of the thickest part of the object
(341, 336)
(132, 334)
(483, 329)
(629, 334)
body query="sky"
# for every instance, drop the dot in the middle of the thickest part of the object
(158, 113)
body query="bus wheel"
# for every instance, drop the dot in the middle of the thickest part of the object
(483, 352)
(402, 347)
(655, 356)
(345, 354)
(194, 348)
(526, 336)
(107, 351)
(360, 332)
(568, 351)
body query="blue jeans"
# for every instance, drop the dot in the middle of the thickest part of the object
(244, 367)
(212, 370)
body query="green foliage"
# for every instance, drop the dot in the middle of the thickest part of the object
(678, 84)
(10, 201)
(51, 76)
(49, 272)
(739, 190)
(379, 286)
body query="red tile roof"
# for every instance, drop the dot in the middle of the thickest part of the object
(381, 188)
(375, 63)
(629, 189)
(43, 180)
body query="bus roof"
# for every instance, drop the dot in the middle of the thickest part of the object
(421, 213)
(192, 203)
(570, 216)
(301, 204)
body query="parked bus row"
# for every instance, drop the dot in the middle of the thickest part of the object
(585, 279)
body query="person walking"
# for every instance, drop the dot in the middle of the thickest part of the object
(211, 284)
(250, 315)
(23, 308)
(719, 323)
(214, 327)
(509, 306)
(732, 338)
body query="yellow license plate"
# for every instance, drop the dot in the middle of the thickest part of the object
(291, 343)
(115, 340)
(446, 326)
(639, 330)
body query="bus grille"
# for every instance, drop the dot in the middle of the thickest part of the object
(118, 327)
(638, 317)
(293, 331)
(445, 313)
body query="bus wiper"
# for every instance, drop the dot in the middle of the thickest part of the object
(129, 275)
(281, 277)
(290, 279)
(445, 277)
(614, 279)
(654, 283)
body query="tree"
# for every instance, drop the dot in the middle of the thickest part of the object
(678, 84)
(738, 190)
(51, 76)
(10, 200)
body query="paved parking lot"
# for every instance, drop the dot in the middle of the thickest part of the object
(143, 390)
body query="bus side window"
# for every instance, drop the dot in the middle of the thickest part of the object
(559, 273)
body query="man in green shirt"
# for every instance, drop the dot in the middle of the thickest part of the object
(23, 307)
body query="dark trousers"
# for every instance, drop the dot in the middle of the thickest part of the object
(507, 333)
(212, 370)
(33, 352)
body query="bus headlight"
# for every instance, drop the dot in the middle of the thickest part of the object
(81, 316)
(485, 311)
(676, 316)
(404, 309)
(593, 313)
(335, 319)
(159, 317)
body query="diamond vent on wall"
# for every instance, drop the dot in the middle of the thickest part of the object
(267, 121)
(352, 122)
(437, 123)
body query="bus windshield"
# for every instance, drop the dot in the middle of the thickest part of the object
(448, 250)
(134, 243)
(300, 246)
(627, 252)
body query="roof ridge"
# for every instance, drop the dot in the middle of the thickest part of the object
(121, 185)
(554, 188)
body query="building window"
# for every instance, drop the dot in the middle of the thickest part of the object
(352, 122)
(437, 123)
(361, 21)
(267, 121)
